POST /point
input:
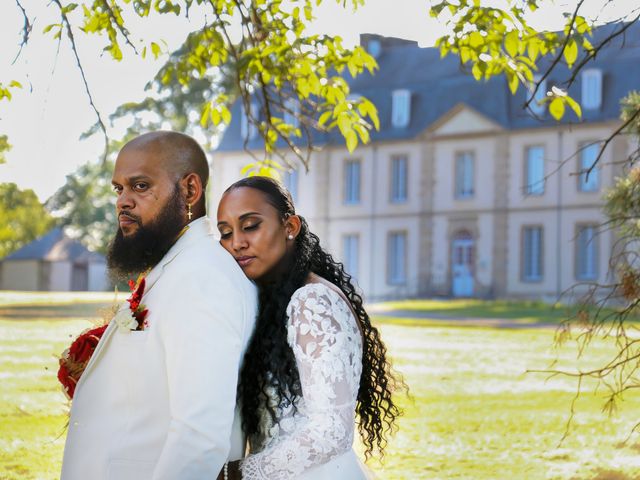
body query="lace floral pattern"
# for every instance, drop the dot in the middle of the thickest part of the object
(327, 345)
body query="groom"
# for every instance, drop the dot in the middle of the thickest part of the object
(158, 401)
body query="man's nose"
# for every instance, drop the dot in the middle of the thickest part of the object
(124, 201)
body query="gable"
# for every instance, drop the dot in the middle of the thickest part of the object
(463, 120)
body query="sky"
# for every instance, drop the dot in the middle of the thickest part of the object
(45, 119)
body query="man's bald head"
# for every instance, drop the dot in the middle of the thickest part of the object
(179, 153)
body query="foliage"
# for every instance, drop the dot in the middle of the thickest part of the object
(86, 205)
(5, 146)
(23, 218)
(494, 41)
(294, 79)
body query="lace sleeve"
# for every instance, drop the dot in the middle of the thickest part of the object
(326, 343)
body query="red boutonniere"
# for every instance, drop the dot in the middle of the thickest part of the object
(75, 358)
(138, 311)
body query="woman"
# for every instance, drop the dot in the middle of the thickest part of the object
(314, 361)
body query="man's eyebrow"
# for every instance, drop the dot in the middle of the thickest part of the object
(134, 179)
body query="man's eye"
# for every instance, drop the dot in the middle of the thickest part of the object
(140, 186)
(117, 188)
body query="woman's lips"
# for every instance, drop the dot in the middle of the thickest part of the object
(244, 261)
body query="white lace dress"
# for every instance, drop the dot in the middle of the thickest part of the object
(315, 443)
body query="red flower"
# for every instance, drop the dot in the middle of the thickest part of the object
(74, 360)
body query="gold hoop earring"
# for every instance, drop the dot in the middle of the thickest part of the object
(189, 213)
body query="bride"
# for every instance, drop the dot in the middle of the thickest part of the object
(315, 362)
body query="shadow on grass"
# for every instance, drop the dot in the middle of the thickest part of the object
(606, 474)
(38, 312)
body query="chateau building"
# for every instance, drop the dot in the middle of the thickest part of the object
(461, 192)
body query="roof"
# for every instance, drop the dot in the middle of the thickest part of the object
(55, 246)
(439, 84)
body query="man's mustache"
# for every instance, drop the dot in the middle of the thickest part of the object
(131, 217)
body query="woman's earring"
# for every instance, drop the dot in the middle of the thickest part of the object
(290, 237)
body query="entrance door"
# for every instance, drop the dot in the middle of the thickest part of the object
(462, 265)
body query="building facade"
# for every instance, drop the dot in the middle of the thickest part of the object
(54, 262)
(461, 192)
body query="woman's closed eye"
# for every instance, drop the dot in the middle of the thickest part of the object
(250, 227)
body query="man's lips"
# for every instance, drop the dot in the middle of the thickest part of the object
(126, 220)
(244, 261)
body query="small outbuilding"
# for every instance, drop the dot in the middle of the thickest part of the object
(54, 262)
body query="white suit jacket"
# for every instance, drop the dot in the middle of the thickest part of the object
(160, 403)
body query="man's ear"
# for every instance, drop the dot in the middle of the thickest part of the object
(191, 187)
(292, 225)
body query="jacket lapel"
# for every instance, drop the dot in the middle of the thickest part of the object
(197, 228)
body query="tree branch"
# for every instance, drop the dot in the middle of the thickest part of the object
(558, 57)
(67, 25)
(26, 31)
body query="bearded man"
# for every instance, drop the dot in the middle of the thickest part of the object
(157, 398)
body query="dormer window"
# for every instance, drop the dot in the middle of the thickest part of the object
(537, 105)
(592, 89)
(401, 108)
(291, 112)
(374, 47)
(248, 129)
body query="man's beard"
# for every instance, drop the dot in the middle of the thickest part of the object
(142, 250)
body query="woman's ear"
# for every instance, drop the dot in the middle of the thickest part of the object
(292, 226)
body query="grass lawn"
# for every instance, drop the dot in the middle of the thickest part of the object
(524, 312)
(473, 413)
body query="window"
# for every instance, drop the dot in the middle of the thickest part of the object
(290, 181)
(591, 89)
(586, 253)
(374, 47)
(399, 179)
(588, 181)
(464, 175)
(534, 171)
(248, 129)
(291, 112)
(401, 108)
(536, 106)
(350, 248)
(352, 182)
(532, 254)
(397, 258)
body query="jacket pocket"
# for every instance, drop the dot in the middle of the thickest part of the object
(122, 469)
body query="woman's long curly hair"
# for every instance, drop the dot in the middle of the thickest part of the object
(269, 362)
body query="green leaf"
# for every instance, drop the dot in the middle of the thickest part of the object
(352, 140)
(512, 42)
(226, 114)
(324, 117)
(556, 108)
(204, 118)
(571, 52)
(513, 82)
(476, 39)
(575, 106)
(155, 49)
(533, 49)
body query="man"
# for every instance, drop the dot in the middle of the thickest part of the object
(158, 401)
